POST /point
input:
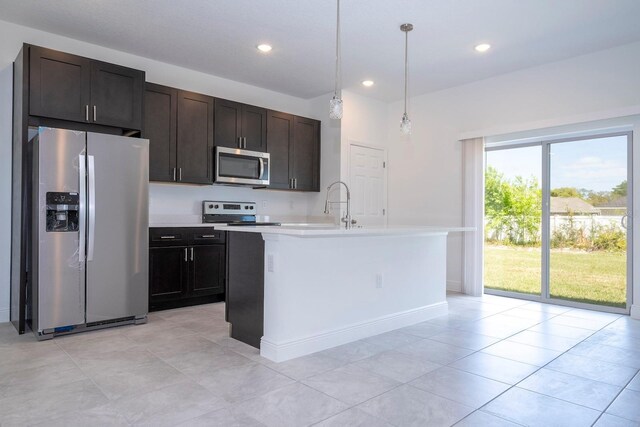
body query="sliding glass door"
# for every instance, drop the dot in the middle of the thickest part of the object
(557, 221)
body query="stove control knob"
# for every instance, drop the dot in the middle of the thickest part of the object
(210, 206)
(251, 207)
(216, 206)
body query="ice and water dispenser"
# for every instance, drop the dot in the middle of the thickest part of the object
(62, 211)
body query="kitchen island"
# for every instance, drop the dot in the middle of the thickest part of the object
(325, 286)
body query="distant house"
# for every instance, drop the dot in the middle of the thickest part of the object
(571, 206)
(613, 207)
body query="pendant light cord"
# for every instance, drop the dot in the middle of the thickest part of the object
(338, 64)
(406, 67)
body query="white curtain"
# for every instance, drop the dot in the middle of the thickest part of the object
(473, 205)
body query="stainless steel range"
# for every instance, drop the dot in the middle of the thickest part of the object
(232, 213)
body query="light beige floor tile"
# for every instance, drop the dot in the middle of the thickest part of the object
(578, 390)
(593, 369)
(533, 409)
(243, 382)
(425, 329)
(294, 405)
(305, 366)
(222, 418)
(495, 368)
(353, 352)
(594, 324)
(38, 405)
(522, 353)
(435, 351)
(197, 363)
(398, 366)
(562, 330)
(465, 339)
(409, 406)
(353, 417)
(626, 405)
(539, 339)
(112, 361)
(607, 353)
(635, 383)
(134, 380)
(391, 340)
(166, 406)
(608, 420)
(460, 386)
(350, 384)
(41, 378)
(483, 419)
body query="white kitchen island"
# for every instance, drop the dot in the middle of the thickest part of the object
(325, 286)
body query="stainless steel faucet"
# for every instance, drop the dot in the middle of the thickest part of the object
(348, 222)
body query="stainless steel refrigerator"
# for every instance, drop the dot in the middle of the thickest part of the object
(89, 233)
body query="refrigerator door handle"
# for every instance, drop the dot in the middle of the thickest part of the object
(92, 208)
(82, 206)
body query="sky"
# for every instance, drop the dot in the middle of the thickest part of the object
(595, 164)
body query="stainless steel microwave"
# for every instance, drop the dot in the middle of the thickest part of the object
(241, 167)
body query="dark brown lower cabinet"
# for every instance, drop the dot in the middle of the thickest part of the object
(186, 267)
(245, 286)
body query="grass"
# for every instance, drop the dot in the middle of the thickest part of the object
(591, 277)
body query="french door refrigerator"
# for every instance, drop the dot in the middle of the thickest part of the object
(89, 233)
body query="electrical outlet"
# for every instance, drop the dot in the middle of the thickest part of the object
(379, 280)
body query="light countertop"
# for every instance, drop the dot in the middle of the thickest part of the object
(323, 230)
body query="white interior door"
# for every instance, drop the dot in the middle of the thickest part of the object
(368, 182)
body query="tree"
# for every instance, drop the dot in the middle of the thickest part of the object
(565, 192)
(620, 190)
(513, 208)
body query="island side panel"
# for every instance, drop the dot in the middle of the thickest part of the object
(324, 292)
(245, 286)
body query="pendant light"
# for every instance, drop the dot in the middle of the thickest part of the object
(335, 104)
(405, 123)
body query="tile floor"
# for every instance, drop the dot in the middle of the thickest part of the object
(490, 362)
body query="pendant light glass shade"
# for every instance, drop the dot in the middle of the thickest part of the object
(335, 104)
(405, 123)
(335, 108)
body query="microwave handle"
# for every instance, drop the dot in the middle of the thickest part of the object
(261, 160)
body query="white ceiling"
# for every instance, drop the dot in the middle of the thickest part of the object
(219, 37)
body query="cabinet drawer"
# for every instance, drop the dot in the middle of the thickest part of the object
(206, 236)
(167, 237)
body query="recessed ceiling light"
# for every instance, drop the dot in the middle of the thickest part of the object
(483, 47)
(264, 48)
(367, 83)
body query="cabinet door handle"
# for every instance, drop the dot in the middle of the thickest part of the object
(179, 174)
(295, 183)
(167, 237)
(208, 236)
(95, 113)
(86, 112)
(174, 174)
(245, 142)
(239, 142)
(191, 254)
(185, 254)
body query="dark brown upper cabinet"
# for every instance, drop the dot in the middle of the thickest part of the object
(195, 138)
(179, 126)
(70, 87)
(160, 120)
(240, 126)
(294, 146)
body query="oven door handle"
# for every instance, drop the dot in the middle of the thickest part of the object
(261, 160)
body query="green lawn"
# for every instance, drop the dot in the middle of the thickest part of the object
(591, 277)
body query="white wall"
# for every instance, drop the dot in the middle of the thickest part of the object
(426, 171)
(165, 199)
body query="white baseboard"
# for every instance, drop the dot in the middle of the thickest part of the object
(635, 311)
(4, 315)
(454, 285)
(279, 352)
